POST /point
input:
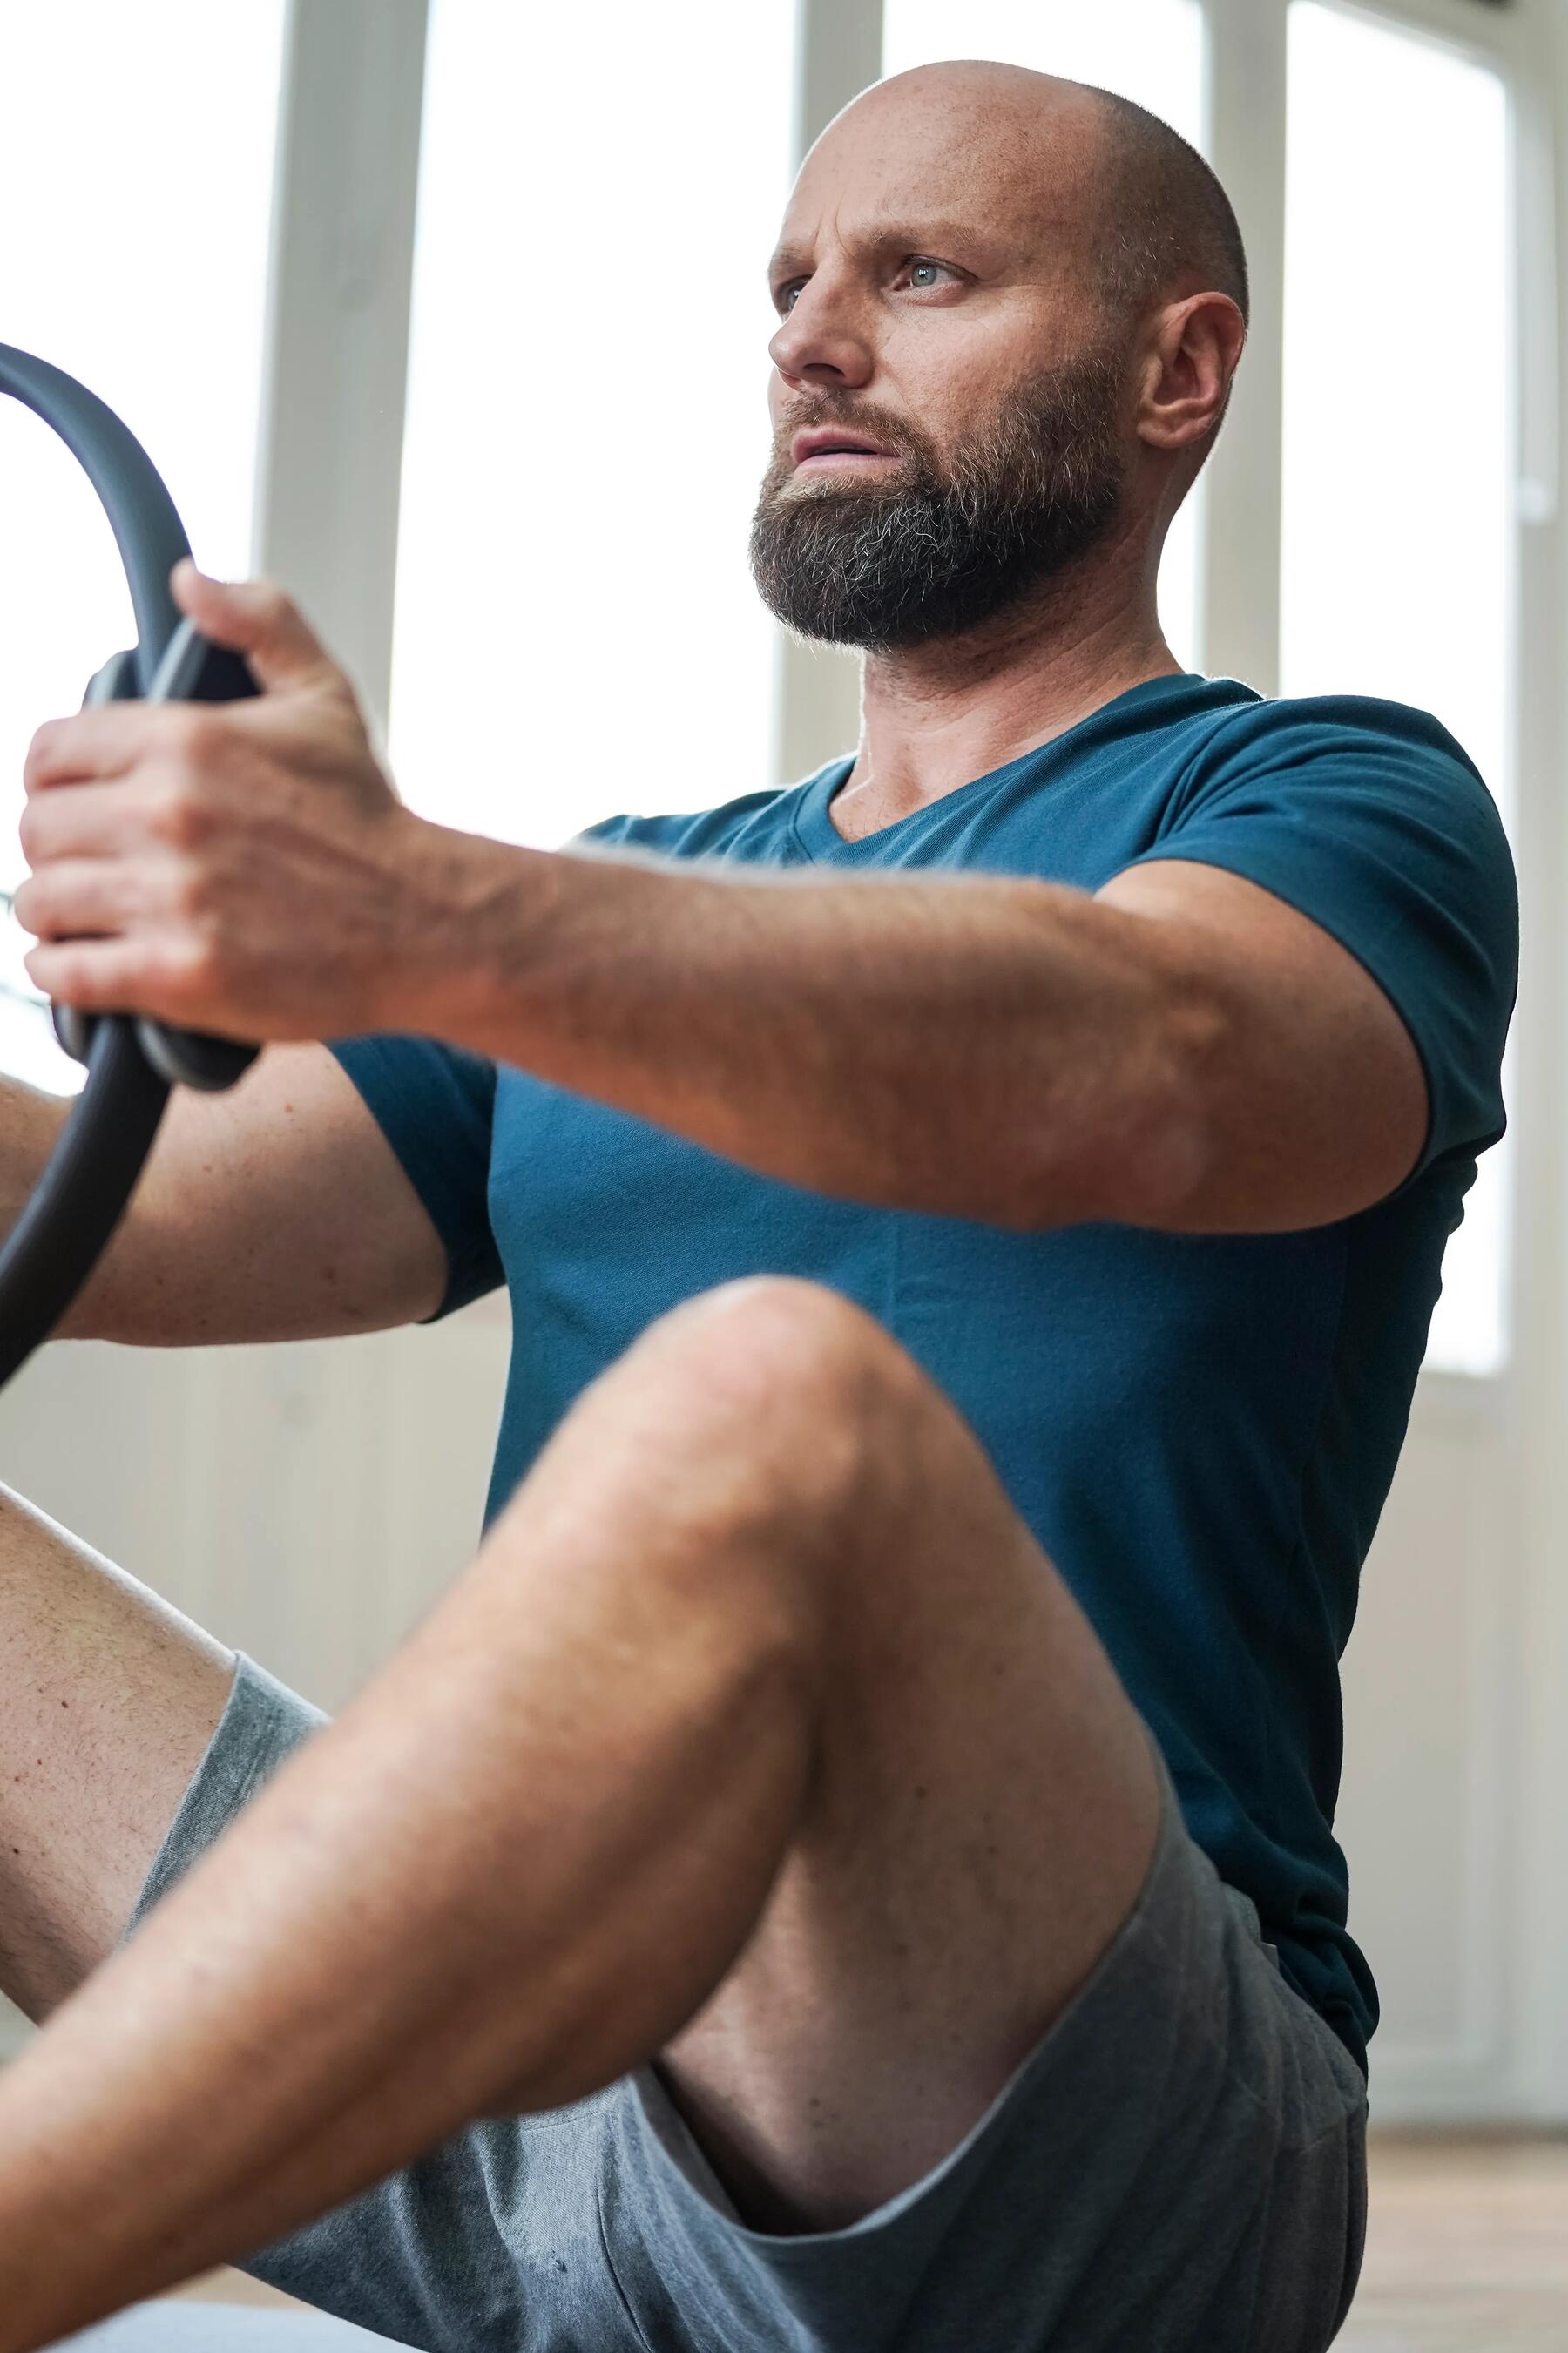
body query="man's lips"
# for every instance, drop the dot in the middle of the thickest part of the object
(821, 446)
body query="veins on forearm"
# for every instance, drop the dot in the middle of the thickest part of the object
(991, 1047)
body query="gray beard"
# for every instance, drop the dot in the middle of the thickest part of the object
(890, 566)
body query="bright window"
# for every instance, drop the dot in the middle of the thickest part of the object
(136, 151)
(577, 633)
(1149, 50)
(1398, 512)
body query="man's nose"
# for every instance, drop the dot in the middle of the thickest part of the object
(822, 340)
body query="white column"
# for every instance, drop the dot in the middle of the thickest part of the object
(1246, 137)
(838, 54)
(1538, 1826)
(337, 344)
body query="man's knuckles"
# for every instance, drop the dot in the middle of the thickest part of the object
(176, 809)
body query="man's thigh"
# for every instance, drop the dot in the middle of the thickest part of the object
(108, 1699)
(982, 1821)
(1177, 2166)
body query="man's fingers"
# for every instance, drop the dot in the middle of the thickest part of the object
(98, 975)
(79, 896)
(161, 975)
(103, 742)
(89, 821)
(251, 617)
(256, 618)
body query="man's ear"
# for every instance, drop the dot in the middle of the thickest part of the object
(1191, 358)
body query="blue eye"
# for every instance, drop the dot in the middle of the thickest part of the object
(917, 266)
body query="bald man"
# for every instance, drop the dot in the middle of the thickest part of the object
(850, 1866)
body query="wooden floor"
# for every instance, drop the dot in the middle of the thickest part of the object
(1467, 2249)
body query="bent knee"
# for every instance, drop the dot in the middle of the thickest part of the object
(811, 1402)
(790, 1303)
(776, 1344)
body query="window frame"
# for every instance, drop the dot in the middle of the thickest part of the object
(329, 462)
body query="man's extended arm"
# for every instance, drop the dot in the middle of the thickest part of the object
(1182, 1051)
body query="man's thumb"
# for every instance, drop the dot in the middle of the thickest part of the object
(255, 618)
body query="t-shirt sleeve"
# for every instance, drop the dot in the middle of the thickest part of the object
(1369, 818)
(436, 1106)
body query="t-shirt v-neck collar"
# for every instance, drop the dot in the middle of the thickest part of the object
(820, 838)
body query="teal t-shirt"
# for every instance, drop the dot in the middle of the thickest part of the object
(1200, 1432)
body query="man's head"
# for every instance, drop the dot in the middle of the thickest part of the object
(1024, 301)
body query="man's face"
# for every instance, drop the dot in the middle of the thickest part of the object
(931, 285)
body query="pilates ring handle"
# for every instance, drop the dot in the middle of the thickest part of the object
(132, 1063)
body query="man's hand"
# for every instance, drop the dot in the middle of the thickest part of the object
(244, 868)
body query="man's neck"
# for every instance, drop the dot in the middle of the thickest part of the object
(939, 716)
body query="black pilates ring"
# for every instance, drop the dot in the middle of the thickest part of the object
(132, 1063)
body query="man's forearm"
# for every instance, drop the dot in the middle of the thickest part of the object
(995, 1047)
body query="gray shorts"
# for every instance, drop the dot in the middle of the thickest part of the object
(1179, 2167)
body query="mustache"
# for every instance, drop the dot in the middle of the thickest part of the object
(892, 433)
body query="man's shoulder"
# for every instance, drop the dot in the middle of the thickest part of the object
(1348, 802)
(1293, 729)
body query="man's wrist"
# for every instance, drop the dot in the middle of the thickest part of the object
(469, 907)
